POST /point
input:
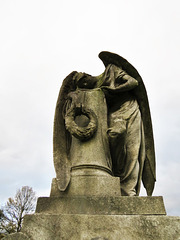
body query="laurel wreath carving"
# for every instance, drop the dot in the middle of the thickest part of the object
(82, 133)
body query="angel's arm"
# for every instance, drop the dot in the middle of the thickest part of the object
(122, 84)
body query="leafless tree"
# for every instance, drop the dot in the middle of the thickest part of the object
(12, 214)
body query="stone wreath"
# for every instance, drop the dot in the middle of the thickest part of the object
(82, 133)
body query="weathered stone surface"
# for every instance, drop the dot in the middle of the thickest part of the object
(101, 205)
(93, 152)
(89, 185)
(17, 236)
(96, 227)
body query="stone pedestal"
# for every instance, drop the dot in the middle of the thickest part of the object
(101, 205)
(97, 214)
(99, 227)
(99, 218)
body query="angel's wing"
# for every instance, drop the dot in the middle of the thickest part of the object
(61, 136)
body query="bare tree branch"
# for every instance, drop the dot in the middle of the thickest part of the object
(11, 216)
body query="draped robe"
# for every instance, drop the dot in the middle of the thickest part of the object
(126, 134)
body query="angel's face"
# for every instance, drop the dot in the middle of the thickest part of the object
(117, 71)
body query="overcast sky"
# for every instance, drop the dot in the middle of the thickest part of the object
(42, 41)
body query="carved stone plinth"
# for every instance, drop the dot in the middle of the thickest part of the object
(101, 205)
(98, 227)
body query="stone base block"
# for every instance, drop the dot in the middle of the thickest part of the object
(89, 185)
(101, 205)
(98, 227)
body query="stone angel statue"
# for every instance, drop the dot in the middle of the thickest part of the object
(122, 123)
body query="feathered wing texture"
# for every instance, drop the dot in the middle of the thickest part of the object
(60, 136)
(148, 174)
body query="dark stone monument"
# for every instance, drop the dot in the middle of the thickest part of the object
(103, 150)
